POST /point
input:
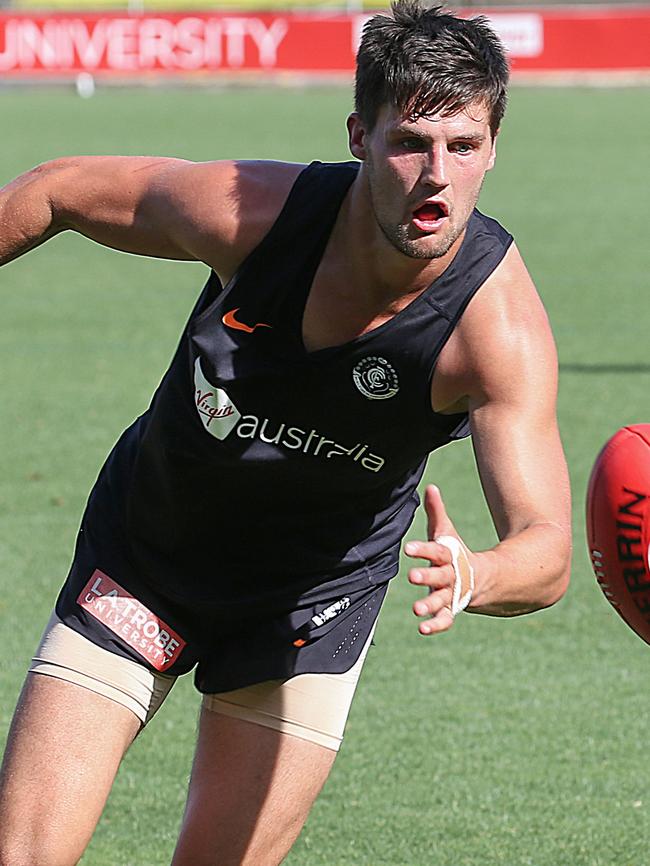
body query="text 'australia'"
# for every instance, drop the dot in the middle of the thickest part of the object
(308, 441)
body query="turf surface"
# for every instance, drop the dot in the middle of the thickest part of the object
(515, 742)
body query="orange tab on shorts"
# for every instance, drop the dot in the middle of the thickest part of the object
(131, 621)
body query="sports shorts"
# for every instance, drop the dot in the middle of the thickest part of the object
(313, 707)
(228, 646)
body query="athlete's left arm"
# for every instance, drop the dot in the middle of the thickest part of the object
(502, 359)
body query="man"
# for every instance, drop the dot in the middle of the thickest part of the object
(357, 316)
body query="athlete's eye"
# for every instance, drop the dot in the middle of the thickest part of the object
(411, 144)
(462, 147)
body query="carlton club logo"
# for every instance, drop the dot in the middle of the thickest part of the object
(375, 378)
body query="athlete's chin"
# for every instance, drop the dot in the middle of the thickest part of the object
(416, 244)
(425, 247)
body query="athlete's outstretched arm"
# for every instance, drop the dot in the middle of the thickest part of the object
(503, 360)
(214, 212)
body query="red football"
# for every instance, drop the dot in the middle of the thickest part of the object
(618, 524)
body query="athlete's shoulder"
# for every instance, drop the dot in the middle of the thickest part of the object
(503, 341)
(228, 206)
(507, 311)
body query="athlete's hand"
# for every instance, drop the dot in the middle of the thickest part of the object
(449, 587)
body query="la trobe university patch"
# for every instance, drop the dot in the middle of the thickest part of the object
(375, 378)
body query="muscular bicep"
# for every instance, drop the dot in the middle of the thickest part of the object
(121, 202)
(133, 204)
(168, 208)
(162, 207)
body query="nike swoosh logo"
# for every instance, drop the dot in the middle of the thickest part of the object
(230, 321)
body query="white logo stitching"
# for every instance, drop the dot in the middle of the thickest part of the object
(375, 378)
(331, 611)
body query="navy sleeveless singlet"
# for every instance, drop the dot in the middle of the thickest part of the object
(262, 471)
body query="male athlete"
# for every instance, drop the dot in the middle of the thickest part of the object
(357, 316)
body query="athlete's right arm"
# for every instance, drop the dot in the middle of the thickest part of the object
(152, 206)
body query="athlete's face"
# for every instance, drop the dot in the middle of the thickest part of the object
(424, 176)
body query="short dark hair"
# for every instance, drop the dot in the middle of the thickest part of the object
(426, 61)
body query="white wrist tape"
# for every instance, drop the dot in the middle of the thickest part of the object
(464, 582)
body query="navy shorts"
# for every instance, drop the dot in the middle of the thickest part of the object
(232, 646)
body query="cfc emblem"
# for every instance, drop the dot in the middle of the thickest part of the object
(375, 378)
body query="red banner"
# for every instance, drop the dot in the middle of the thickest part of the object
(113, 44)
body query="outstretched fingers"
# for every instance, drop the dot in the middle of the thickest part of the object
(449, 575)
(439, 579)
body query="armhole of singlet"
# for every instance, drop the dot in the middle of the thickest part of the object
(274, 234)
(455, 315)
(283, 227)
(308, 185)
(214, 285)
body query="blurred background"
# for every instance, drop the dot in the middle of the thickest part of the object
(290, 39)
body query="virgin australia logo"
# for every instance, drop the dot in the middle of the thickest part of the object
(375, 378)
(216, 410)
(220, 416)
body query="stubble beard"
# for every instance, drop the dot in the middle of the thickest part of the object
(434, 248)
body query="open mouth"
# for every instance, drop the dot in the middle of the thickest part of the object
(430, 214)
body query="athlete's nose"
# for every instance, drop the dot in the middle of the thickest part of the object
(435, 170)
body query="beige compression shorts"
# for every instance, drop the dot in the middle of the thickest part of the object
(313, 707)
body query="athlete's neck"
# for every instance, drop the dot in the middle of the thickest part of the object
(378, 270)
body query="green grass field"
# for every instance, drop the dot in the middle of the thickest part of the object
(511, 742)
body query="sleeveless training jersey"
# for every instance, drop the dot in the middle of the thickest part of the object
(262, 471)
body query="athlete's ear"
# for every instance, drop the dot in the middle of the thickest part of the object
(356, 136)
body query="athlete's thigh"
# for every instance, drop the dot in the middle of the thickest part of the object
(250, 793)
(63, 750)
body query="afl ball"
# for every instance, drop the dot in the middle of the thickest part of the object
(618, 525)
